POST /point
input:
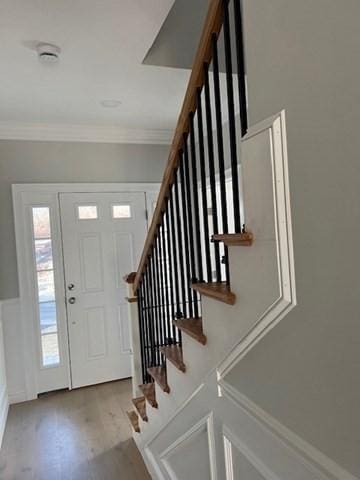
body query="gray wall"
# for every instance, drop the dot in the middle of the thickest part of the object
(304, 56)
(42, 162)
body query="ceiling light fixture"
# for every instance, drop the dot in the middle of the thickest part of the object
(48, 53)
(110, 103)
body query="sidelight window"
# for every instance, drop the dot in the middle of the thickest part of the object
(45, 285)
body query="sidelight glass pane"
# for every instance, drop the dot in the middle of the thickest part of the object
(50, 349)
(121, 211)
(44, 267)
(48, 317)
(41, 222)
(43, 255)
(46, 286)
(87, 212)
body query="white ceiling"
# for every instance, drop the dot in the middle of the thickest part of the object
(103, 45)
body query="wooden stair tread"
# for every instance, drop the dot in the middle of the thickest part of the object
(192, 327)
(217, 291)
(159, 375)
(134, 420)
(148, 389)
(130, 277)
(234, 239)
(174, 354)
(140, 405)
(131, 299)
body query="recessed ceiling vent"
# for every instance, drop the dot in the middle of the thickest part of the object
(48, 53)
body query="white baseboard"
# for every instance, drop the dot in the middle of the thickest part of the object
(4, 410)
(17, 397)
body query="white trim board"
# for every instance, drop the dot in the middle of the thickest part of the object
(83, 133)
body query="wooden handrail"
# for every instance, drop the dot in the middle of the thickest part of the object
(212, 25)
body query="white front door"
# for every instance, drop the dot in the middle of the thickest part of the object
(103, 235)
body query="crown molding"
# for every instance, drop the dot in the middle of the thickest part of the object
(83, 133)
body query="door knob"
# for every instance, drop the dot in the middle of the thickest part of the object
(72, 300)
(71, 286)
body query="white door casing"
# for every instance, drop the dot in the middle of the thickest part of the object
(36, 378)
(98, 252)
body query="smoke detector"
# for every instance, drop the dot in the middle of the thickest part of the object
(48, 53)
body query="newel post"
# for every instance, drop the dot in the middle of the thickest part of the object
(134, 334)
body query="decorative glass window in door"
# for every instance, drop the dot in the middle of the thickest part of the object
(45, 286)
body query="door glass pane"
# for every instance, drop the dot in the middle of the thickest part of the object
(41, 222)
(50, 349)
(46, 286)
(43, 254)
(87, 212)
(121, 211)
(48, 317)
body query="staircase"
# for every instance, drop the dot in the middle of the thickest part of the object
(211, 283)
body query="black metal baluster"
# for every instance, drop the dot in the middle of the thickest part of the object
(212, 169)
(158, 300)
(176, 313)
(187, 229)
(148, 328)
(167, 274)
(239, 35)
(231, 116)
(220, 143)
(180, 246)
(203, 186)
(151, 316)
(161, 287)
(155, 309)
(196, 199)
(188, 211)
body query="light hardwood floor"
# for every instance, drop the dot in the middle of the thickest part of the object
(79, 435)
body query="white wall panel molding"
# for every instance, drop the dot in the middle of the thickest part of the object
(266, 432)
(206, 425)
(232, 443)
(262, 224)
(83, 133)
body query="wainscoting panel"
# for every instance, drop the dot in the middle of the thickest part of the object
(13, 350)
(224, 435)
